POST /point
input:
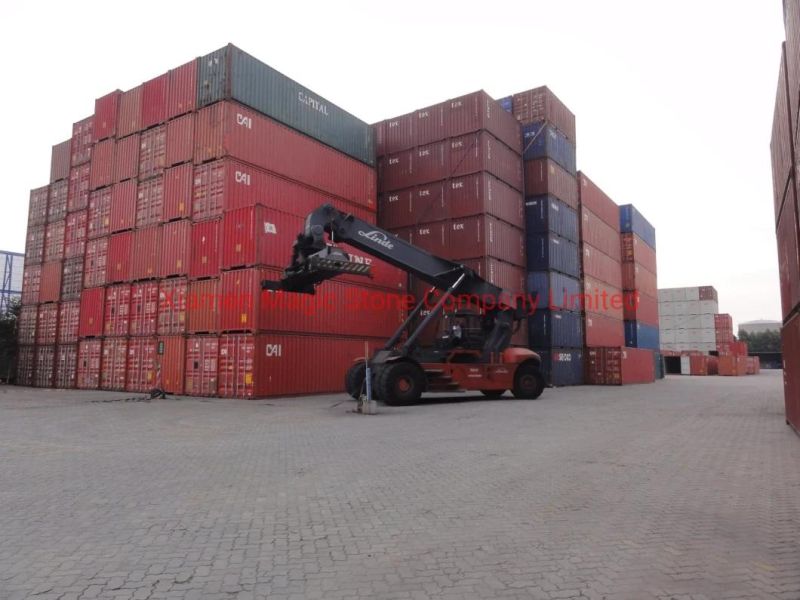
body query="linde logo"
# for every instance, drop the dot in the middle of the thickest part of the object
(457, 184)
(394, 161)
(244, 121)
(274, 350)
(243, 178)
(312, 102)
(270, 227)
(377, 237)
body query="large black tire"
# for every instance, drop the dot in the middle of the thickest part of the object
(400, 383)
(528, 382)
(354, 379)
(494, 394)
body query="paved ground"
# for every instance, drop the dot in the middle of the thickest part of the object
(689, 488)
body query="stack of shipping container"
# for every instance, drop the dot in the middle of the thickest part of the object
(687, 318)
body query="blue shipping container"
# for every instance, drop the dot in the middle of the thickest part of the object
(506, 104)
(659, 364)
(554, 290)
(632, 221)
(550, 143)
(555, 329)
(550, 252)
(548, 214)
(639, 335)
(562, 366)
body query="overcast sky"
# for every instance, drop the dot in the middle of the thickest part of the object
(674, 100)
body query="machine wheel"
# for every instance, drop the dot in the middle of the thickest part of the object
(494, 394)
(400, 383)
(354, 379)
(528, 382)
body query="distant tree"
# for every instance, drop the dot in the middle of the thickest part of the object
(8, 339)
(764, 341)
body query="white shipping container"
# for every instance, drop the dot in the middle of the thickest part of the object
(707, 321)
(686, 365)
(666, 308)
(692, 293)
(709, 307)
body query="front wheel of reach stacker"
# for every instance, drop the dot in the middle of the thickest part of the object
(354, 379)
(528, 382)
(400, 383)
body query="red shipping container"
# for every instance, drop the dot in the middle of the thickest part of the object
(396, 209)
(383, 275)
(117, 312)
(178, 192)
(153, 152)
(118, 262)
(91, 313)
(26, 325)
(146, 260)
(601, 298)
(207, 191)
(142, 364)
(172, 306)
(205, 254)
(60, 161)
(479, 111)
(641, 307)
(502, 274)
(431, 124)
(638, 278)
(34, 245)
(789, 253)
(126, 158)
(69, 319)
(203, 305)
(96, 264)
(600, 266)
(50, 284)
(101, 173)
(154, 101)
(202, 361)
(483, 193)
(732, 366)
(99, 213)
(596, 201)
(26, 365)
(75, 230)
(182, 89)
(144, 308)
(150, 202)
(31, 284)
(781, 149)
(541, 104)
(89, 361)
(713, 365)
(429, 203)
(113, 364)
(37, 211)
(637, 366)
(57, 203)
(78, 189)
(54, 241)
(544, 176)
(47, 324)
(635, 250)
(45, 366)
(431, 237)
(124, 207)
(258, 236)
(229, 129)
(130, 112)
(482, 151)
(180, 140)
(484, 235)
(176, 244)
(723, 321)
(82, 141)
(705, 292)
(66, 367)
(698, 365)
(600, 331)
(431, 162)
(396, 171)
(399, 133)
(171, 363)
(105, 116)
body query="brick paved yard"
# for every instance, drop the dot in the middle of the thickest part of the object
(689, 488)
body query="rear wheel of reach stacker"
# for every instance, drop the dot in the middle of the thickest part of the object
(528, 382)
(354, 379)
(400, 383)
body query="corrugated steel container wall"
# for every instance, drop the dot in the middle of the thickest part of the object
(203, 306)
(603, 366)
(482, 151)
(398, 133)
(599, 235)
(69, 319)
(141, 364)
(207, 191)
(479, 111)
(553, 290)
(126, 158)
(602, 298)
(26, 365)
(502, 274)
(543, 176)
(144, 308)
(26, 325)
(96, 264)
(562, 366)
(31, 284)
(113, 364)
(542, 104)
(57, 204)
(698, 365)
(99, 213)
(432, 124)
(430, 162)
(54, 241)
(182, 90)
(555, 328)
(541, 140)
(66, 366)
(706, 292)
(600, 266)
(632, 221)
(47, 324)
(484, 235)
(598, 202)
(118, 262)
(205, 253)
(45, 366)
(154, 101)
(117, 311)
(638, 278)
(257, 236)
(153, 152)
(429, 203)
(431, 237)
(482, 193)
(34, 245)
(550, 252)
(82, 141)
(149, 202)
(176, 245)
(78, 189)
(130, 112)
(791, 19)
(641, 335)
(60, 160)
(171, 363)
(90, 354)
(781, 142)
(230, 73)
(396, 209)
(635, 250)
(178, 192)
(146, 260)
(75, 230)
(227, 129)
(637, 366)
(789, 253)
(91, 312)
(640, 307)
(548, 214)
(106, 109)
(50, 284)
(180, 140)
(790, 346)
(601, 330)
(101, 172)
(37, 211)
(202, 366)
(172, 306)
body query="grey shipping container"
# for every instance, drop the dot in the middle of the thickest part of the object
(231, 74)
